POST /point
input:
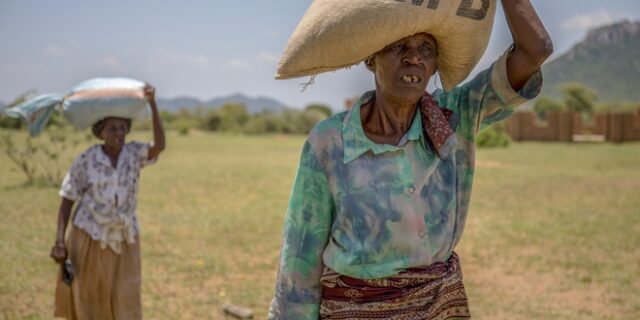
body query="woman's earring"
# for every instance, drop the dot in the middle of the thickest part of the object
(369, 63)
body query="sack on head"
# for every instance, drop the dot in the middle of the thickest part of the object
(334, 34)
(88, 103)
(96, 99)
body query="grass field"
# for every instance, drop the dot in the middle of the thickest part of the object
(553, 230)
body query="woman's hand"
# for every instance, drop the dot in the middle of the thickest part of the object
(58, 252)
(150, 94)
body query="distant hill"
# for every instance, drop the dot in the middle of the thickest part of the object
(253, 105)
(176, 104)
(608, 60)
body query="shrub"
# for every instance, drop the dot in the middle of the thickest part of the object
(9, 122)
(256, 125)
(211, 121)
(493, 136)
(545, 105)
(45, 159)
(233, 117)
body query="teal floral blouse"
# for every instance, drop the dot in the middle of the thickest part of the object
(370, 210)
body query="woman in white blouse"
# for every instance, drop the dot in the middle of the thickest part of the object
(102, 247)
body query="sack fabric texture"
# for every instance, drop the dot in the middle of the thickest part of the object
(335, 34)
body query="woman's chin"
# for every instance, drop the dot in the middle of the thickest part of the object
(115, 145)
(410, 94)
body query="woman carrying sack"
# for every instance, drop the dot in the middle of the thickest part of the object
(382, 192)
(100, 257)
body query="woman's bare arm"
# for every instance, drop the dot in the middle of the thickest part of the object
(532, 43)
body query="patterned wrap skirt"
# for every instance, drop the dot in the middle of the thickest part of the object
(432, 292)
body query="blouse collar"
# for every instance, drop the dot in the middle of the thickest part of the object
(356, 142)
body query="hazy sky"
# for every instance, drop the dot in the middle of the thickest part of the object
(210, 48)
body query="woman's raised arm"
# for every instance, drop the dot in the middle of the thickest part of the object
(532, 43)
(158, 130)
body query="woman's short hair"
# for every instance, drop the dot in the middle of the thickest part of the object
(97, 127)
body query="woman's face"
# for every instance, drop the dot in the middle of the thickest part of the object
(114, 132)
(403, 69)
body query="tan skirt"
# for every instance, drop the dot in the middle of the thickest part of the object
(106, 285)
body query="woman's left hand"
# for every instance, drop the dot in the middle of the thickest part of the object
(58, 252)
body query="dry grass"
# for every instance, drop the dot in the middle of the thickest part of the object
(553, 230)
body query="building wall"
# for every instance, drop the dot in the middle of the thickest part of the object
(568, 126)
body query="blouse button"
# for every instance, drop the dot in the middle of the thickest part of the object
(411, 189)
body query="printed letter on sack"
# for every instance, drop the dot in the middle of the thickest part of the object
(433, 4)
(465, 10)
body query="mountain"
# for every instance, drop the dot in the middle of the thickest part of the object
(253, 105)
(608, 60)
(176, 104)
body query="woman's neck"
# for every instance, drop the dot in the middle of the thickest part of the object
(385, 121)
(112, 153)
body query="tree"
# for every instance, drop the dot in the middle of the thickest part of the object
(579, 98)
(167, 117)
(233, 117)
(326, 110)
(212, 120)
(545, 105)
(10, 122)
(309, 118)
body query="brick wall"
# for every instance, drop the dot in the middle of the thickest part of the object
(569, 126)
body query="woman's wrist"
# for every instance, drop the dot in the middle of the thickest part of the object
(59, 242)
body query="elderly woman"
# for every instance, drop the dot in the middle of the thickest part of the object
(101, 275)
(382, 191)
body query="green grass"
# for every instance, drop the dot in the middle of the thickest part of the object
(553, 230)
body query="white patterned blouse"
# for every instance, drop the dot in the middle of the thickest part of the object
(106, 196)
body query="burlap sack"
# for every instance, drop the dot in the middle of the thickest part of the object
(334, 34)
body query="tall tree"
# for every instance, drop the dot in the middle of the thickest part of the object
(545, 105)
(321, 108)
(579, 98)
